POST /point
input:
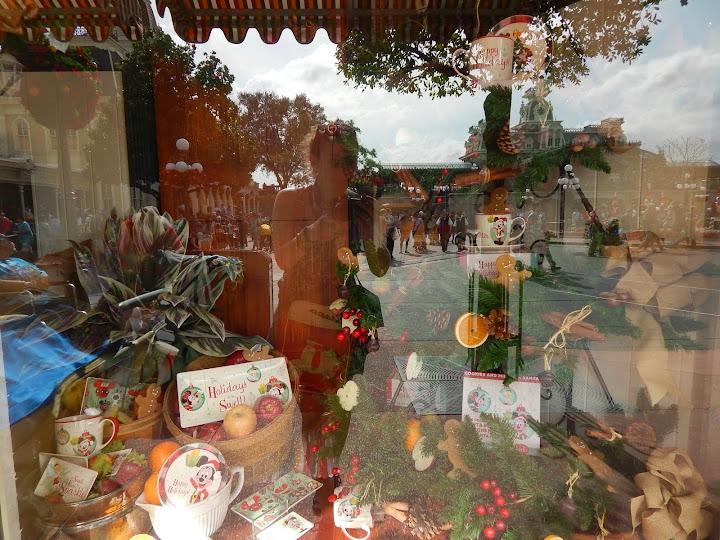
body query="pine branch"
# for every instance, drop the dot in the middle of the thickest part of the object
(676, 341)
(493, 353)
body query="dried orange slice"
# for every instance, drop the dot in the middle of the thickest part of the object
(471, 330)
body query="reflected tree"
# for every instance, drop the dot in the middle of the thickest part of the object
(579, 31)
(685, 150)
(172, 95)
(279, 127)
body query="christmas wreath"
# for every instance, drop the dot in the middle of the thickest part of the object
(58, 89)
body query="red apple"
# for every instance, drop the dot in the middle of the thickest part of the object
(189, 431)
(212, 431)
(268, 408)
(239, 421)
(235, 358)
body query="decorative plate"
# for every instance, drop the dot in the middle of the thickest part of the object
(534, 38)
(192, 474)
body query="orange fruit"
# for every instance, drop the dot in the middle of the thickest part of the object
(471, 330)
(160, 453)
(151, 490)
(412, 433)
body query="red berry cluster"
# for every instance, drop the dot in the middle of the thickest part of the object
(496, 513)
(330, 426)
(360, 333)
(349, 478)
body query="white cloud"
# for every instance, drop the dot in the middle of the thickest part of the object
(659, 98)
(671, 90)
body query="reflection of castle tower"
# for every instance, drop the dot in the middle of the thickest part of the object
(537, 131)
(537, 124)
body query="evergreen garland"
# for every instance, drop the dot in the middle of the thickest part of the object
(376, 437)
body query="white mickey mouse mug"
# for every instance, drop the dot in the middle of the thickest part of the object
(348, 513)
(82, 435)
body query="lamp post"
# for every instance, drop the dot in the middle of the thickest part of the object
(569, 180)
(181, 166)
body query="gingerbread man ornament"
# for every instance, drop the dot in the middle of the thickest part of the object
(150, 403)
(497, 202)
(508, 276)
(452, 447)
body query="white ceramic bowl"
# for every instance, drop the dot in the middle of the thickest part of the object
(196, 521)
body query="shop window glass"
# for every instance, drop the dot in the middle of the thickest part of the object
(435, 285)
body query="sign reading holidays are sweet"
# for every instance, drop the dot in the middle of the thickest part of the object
(207, 394)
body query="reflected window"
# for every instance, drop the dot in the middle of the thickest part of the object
(72, 139)
(22, 137)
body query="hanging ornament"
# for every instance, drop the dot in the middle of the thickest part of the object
(497, 324)
(505, 142)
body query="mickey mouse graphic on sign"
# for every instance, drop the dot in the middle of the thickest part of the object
(521, 427)
(275, 388)
(192, 398)
(202, 479)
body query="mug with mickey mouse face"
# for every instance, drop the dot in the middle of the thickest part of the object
(82, 435)
(494, 230)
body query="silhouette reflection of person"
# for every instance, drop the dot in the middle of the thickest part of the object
(310, 225)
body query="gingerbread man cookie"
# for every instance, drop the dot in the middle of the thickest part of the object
(497, 202)
(257, 353)
(616, 483)
(508, 276)
(450, 445)
(149, 403)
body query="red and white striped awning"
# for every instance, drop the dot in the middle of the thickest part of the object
(31, 18)
(194, 19)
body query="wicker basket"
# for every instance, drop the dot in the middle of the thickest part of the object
(149, 427)
(262, 452)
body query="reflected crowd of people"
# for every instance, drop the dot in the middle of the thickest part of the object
(440, 228)
(224, 232)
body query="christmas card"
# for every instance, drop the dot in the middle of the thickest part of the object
(290, 527)
(45, 457)
(206, 395)
(274, 499)
(65, 482)
(484, 263)
(485, 393)
(105, 394)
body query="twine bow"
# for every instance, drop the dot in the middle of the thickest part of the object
(601, 525)
(571, 482)
(673, 497)
(574, 317)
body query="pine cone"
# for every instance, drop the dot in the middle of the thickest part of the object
(641, 434)
(438, 318)
(497, 324)
(505, 142)
(423, 517)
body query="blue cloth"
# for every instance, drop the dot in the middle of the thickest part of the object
(19, 270)
(35, 364)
